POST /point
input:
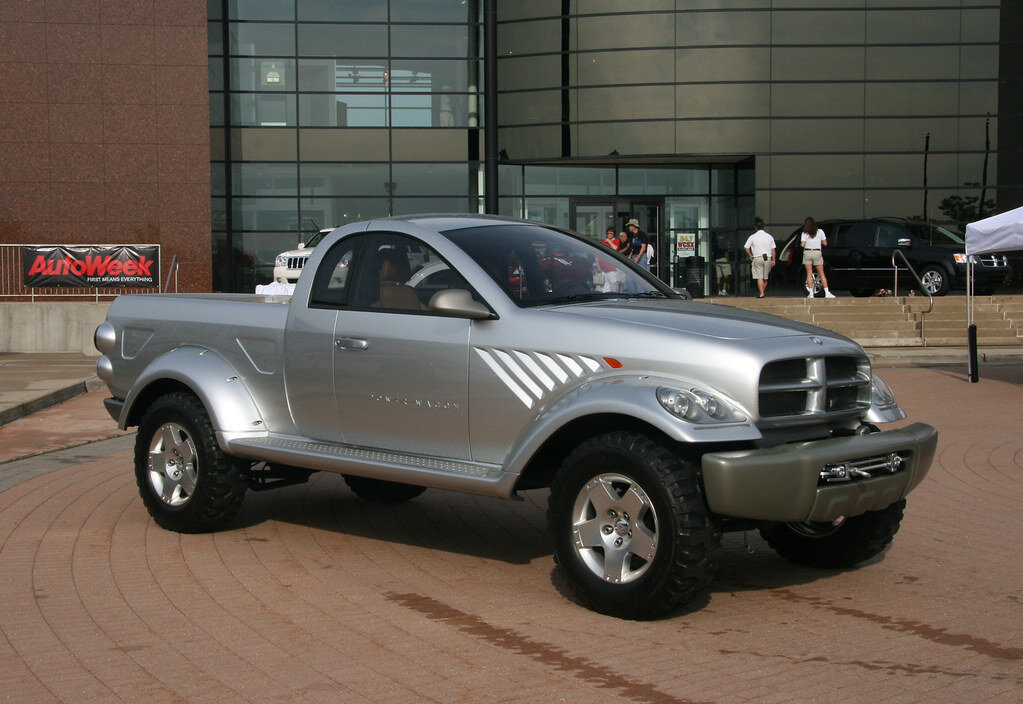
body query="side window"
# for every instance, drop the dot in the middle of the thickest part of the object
(398, 273)
(888, 235)
(857, 235)
(330, 287)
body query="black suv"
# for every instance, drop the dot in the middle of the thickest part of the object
(858, 257)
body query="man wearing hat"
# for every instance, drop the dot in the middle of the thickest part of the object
(637, 244)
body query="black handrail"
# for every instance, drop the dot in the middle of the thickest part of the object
(919, 281)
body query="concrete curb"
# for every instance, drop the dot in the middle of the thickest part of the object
(50, 399)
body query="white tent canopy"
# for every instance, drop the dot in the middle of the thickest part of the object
(998, 233)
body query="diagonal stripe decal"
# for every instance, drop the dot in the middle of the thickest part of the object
(532, 376)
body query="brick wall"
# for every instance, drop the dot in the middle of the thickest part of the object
(104, 127)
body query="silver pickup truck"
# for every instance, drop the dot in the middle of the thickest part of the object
(488, 355)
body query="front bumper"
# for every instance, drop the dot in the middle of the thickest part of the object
(783, 483)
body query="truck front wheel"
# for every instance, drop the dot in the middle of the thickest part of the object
(186, 481)
(839, 544)
(630, 528)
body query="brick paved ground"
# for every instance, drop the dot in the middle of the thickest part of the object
(315, 596)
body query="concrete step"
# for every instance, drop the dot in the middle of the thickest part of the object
(852, 316)
(869, 342)
(949, 316)
(860, 332)
(987, 340)
(932, 326)
(879, 322)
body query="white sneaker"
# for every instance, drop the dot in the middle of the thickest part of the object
(810, 295)
(808, 289)
(828, 294)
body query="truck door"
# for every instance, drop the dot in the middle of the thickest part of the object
(400, 372)
(309, 345)
(848, 254)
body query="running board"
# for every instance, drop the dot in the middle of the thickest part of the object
(434, 472)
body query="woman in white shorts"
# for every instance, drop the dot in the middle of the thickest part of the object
(812, 240)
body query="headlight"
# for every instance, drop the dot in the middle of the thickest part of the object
(281, 260)
(880, 393)
(697, 405)
(963, 258)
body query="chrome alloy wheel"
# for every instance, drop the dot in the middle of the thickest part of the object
(932, 281)
(614, 528)
(173, 462)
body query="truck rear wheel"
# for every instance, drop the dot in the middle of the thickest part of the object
(186, 481)
(630, 528)
(839, 544)
(381, 491)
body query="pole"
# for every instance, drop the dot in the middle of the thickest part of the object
(490, 106)
(987, 152)
(971, 339)
(927, 148)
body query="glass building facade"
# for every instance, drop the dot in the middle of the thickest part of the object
(326, 112)
(694, 117)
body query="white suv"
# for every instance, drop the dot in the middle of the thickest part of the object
(288, 265)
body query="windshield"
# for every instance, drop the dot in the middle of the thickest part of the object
(315, 239)
(536, 265)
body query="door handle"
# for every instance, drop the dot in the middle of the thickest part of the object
(350, 343)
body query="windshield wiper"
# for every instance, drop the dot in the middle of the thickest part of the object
(577, 297)
(649, 294)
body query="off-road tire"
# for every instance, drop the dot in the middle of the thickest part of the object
(209, 485)
(381, 491)
(838, 545)
(669, 544)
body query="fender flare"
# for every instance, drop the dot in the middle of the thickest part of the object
(631, 396)
(210, 377)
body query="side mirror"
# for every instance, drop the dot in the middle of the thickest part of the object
(905, 242)
(459, 303)
(301, 245)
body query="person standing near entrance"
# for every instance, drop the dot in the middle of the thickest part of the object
(813, 242)
(760, 248)
(637, 244)
(606, 266)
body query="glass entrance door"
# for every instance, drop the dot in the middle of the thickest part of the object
(649, 215)
(592, 218)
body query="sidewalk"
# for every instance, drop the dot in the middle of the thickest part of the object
(30, 382)
(67, 385)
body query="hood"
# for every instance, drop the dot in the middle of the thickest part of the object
(297, 252)
(706, 319)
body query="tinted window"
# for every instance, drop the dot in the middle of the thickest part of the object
(857, 235)
(935, 234)
(330, 287)
(888, 235)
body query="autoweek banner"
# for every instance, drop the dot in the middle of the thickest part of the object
(92, 266)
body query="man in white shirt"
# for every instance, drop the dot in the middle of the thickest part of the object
(760, 248)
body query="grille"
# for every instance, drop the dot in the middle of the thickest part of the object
(992, 260)
(814, 386)
(297, 262)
